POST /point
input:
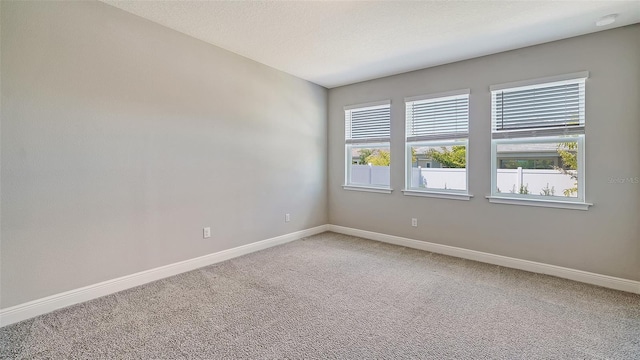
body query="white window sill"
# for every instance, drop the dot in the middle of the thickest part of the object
(383, 190)
(559, 204)
(438, 194)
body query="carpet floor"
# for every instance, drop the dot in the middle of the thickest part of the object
(338, 296)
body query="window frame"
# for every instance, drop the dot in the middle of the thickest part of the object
(435, 143)
(348, 162)
(579, 139)
(365, 143)
(568, 135)
(452, 194)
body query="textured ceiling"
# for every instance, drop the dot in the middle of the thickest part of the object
(335, 43)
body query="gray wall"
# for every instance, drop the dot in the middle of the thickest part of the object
(605, 239)
(121, 139)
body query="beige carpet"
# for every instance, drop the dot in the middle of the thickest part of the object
(336, 296)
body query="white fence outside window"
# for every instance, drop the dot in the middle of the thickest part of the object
(370, 175)
(508, 180)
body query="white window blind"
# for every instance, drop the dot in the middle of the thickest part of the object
(438, 118)
(370, 124)
(549, 109)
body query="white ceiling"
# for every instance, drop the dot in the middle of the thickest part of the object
(334, 43)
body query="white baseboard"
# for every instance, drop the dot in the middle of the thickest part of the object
(50, 303)
(532, 266)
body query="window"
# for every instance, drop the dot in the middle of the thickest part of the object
(437, 131)
(368, 155)
(538, 142)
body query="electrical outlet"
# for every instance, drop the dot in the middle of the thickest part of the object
(206, 233)
(287, 217)
(414, 222)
